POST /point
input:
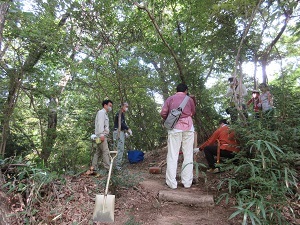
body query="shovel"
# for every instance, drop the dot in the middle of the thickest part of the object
(105, 204)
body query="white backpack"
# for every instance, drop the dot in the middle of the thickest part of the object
(175, 114)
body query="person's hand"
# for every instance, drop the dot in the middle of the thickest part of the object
(129, 132)
(127, 135)
(102, 138)
(93, 136)
(196, 150)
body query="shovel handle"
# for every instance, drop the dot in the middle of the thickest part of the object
(162, 163)
(218, 152)
(110, 169)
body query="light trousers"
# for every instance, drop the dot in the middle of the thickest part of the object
(101, 148)
(176, 140)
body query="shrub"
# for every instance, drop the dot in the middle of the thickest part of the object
(265, 179)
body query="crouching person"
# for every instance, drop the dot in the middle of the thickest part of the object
(226, 143)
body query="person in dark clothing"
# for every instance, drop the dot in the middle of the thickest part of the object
(121, 130)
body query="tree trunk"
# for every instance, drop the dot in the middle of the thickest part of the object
(4, 6)
(8, 107)
(255, 72)
(51, 134)
(264, 63)
(266, 53)
(16, 77)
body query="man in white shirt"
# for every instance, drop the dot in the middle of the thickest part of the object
(102, 131)
(237, 93)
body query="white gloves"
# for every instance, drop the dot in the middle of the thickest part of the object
(196, 150)
(93, 136)
(129, 132)
(127, 135)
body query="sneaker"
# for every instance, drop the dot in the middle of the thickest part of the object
(182, 185)
(215, 170)
(170, 187)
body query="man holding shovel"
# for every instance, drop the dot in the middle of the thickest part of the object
(182, 135)
(101, 132)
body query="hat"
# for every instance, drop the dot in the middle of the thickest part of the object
(255, 91)
(223, 121)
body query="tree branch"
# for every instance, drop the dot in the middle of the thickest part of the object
(244, 36)
(142, 7)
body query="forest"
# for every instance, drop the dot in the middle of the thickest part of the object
(60, 59)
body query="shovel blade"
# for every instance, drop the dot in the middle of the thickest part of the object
(104, 208)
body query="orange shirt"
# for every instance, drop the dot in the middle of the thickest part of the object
(226, 138)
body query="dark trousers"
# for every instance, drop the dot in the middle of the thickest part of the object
(210, 153)
(256, 115)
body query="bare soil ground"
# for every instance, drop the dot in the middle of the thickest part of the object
(72, 203)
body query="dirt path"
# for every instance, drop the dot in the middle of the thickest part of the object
(71, 201)
(144, 206)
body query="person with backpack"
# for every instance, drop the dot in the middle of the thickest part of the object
(121, 130)
(181, 135)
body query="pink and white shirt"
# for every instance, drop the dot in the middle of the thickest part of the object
(185, 122)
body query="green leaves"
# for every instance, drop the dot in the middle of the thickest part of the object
(261, 146)
(264, 178)
(247, 213)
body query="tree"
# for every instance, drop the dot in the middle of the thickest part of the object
(125, 52)
(4, 6)
(17, 74)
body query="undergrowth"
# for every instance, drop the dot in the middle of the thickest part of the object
(27, 183)
(264, 176)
